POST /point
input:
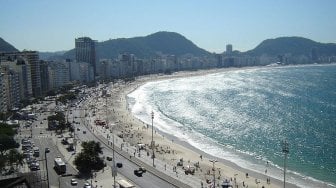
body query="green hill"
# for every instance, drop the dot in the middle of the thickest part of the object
(6, 47)
(292, 45)
(144, 47)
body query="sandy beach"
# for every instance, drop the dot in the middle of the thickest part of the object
(169, 149)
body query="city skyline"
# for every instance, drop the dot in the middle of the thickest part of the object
(53, 26)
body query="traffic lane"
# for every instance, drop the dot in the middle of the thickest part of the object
(127, 170)
(148, 179)
(54, 178)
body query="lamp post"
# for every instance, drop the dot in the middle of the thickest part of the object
(113, 168)
(45, 157)
(152, 143)
(214, 171)
(285, 150)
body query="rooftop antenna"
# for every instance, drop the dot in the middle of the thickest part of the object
(285, 150)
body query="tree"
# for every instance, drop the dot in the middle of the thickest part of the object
(14, 157)
(7, 138)
(88, 159)
(2, 163)
(60, 118)
(7, 143)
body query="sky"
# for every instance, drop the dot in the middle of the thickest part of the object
(46, 25)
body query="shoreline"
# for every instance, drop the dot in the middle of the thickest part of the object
(186, 150)
(183, 148)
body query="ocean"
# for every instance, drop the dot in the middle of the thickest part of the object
(243, 115)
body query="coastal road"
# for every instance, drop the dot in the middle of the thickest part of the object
(152, 178)
(42, 138)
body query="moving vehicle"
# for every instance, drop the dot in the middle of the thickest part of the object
(119, 165)
(60, 166)
(125, 184)
(140, 171)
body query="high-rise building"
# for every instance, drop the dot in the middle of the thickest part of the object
(22, 68)
(59, 73)
(3, 99)
(229, 49)
(10, 87)
(32, 58)
(86, 52)
(44, 77)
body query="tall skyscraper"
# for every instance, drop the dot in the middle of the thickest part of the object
(32, 58)
(86, 52)
(229, 49)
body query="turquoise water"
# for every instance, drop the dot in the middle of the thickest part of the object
(243, 115)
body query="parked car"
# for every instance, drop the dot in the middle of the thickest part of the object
(87, 185)
(74, 182)
(109, 158)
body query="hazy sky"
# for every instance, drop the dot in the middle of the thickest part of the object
(47, 25)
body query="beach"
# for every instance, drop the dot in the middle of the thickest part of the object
(169, 149)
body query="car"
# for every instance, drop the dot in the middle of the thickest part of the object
(87, 185)
(47, 150)
(74, 182)
(138, 173)
(109, 158)
(142, 169)
(78, 129)
(119, 165)
(34, 166)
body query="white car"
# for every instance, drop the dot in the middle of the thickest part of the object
(87, 185)
(74, 182)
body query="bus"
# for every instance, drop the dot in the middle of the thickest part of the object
(124, 184)
(60, 166)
